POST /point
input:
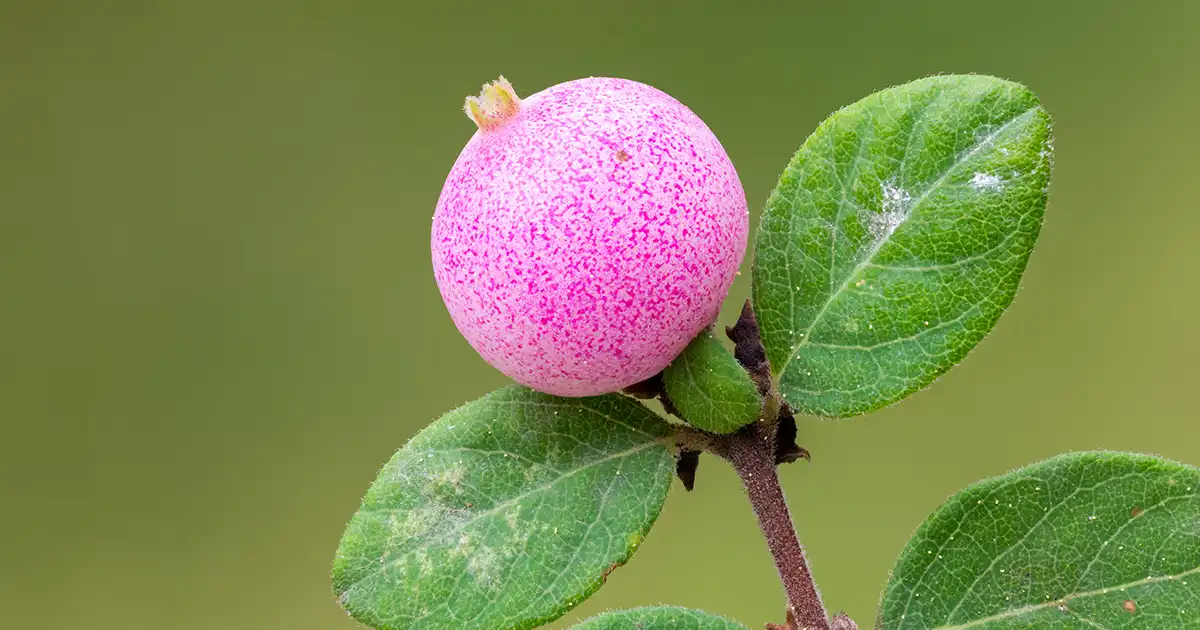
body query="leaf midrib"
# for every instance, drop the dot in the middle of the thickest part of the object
(1017, 612)
(502, 505)
(880, 243)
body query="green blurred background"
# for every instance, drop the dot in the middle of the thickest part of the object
(219, 318)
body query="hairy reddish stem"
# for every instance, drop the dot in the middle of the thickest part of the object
(751, 452)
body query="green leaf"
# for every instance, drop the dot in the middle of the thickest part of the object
(656, 617)
(710, 388)
(1085, 540)
(504, 513)
(896, 237)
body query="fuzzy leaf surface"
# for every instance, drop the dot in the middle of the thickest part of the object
(896, 237)
(504, 513)
(1080, 541)
(710, 388)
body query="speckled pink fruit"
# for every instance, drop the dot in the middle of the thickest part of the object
(587, 233)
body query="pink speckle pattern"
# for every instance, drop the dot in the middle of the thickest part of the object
(580, 246)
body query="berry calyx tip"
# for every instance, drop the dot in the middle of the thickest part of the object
(495, 105)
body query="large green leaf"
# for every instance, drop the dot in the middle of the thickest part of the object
(504, 513)
(896, 237)
(656, 618)
(710, 388)
(1086, 540)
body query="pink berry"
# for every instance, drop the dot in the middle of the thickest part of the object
(586, 233)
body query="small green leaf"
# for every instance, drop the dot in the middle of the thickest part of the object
(1085, 540)
(656, 617)
(896, 238)
(504, 513)
(710, 388)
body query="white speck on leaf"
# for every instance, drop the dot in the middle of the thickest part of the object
(892, 214)
(983, 181)
(485, 564)
(511, 516)
(451, 477)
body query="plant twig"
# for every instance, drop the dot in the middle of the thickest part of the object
(755, 451)
(751, 452)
